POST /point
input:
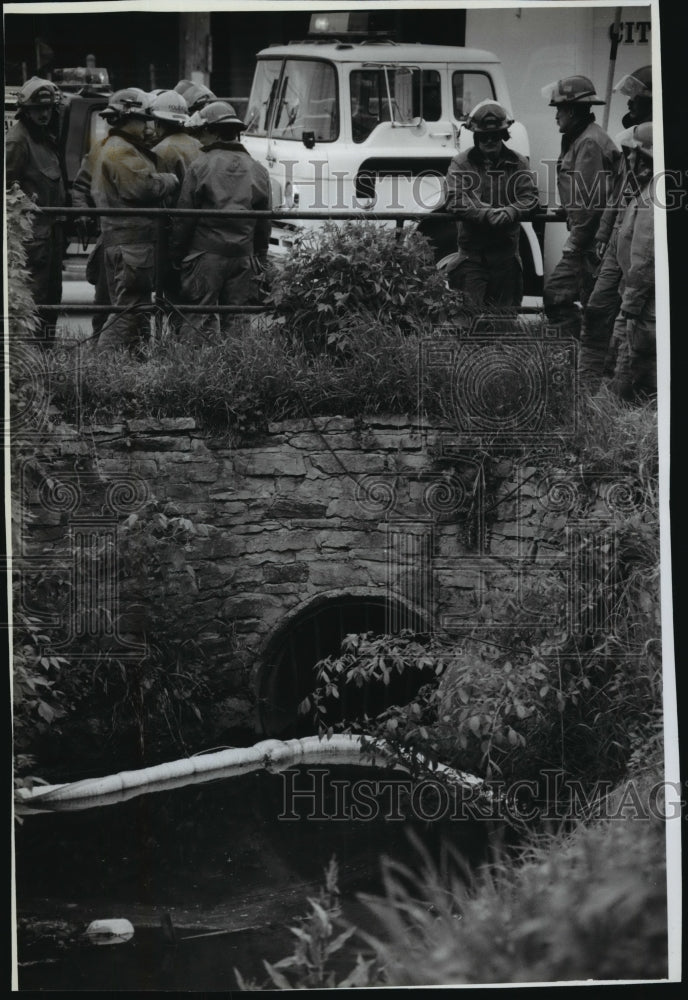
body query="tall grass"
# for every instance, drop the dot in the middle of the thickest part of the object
(587, 904)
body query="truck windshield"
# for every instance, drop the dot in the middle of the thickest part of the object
(468, 89)
(292, 97)
(399, 94)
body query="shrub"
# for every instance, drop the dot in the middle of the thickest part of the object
(343, 280)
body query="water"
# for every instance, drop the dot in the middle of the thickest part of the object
(215, 856)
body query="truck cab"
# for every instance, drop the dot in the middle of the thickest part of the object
(353, 121)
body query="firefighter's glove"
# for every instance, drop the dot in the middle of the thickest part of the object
(600, 249)
(499, 217)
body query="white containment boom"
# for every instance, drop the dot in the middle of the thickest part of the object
(269, 755)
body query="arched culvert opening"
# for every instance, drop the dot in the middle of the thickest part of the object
(287, 673)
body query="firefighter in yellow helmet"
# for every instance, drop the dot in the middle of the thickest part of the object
(34, 163)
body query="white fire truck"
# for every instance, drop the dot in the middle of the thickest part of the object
(349, 119)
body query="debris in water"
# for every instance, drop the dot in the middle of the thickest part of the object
(115, 930)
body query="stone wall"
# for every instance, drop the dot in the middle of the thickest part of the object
(315, 509)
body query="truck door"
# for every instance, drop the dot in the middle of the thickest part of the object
(304, 120)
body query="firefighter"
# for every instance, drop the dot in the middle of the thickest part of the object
(95, 266)
(490, 189)
(635, 376)
(176, 148)
(125, 175)
(218, 256)
(637, 87)
(195, 95)
(597, 345)
(33, 161)
(589, 176)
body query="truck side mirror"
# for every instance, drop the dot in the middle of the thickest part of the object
(308, 139)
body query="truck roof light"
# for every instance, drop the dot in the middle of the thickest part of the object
(342, 24)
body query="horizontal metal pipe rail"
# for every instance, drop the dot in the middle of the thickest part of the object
(161, 215)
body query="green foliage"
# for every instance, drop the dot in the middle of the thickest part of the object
(320, 936)
(585, 904)
(496, 711)
(37, 698)
(342, 280)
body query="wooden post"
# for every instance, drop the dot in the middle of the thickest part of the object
(195, 47)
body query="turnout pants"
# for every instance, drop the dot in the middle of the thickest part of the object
(44, 262)
(635, 377)
(600, 313)
(498, 284)
(212, 279)
(96, 275)
(129, 272)
(571, 281)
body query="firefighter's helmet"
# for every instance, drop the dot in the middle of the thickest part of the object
(38, 93)
(489, 116)
(636, 84)
(571, 90)
(195, 94)
(128, 103)
(217, 113)
(169, 106)
(638, 138)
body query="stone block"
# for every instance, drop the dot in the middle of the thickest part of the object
(327, 464)
(201, 472)
(291, 572)
(274, 462)
(331, 575)
(289, 507)
(160, 443)
(156, 424)
(251, 606)
(277, 542)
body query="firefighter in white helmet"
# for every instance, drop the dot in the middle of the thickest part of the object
(491, 190)
(175, 150)
(589, 175)
(125, 175)
(217, 256)
(635, 376)
(34, 163)
(196, 95)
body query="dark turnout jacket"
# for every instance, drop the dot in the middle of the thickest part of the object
(32, 161)
(590, 178)
(635, 253)
(224, 175)
(474, 187)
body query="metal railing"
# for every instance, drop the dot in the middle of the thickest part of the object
(161, 217)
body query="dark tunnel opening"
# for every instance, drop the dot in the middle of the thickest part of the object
(288, 672)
